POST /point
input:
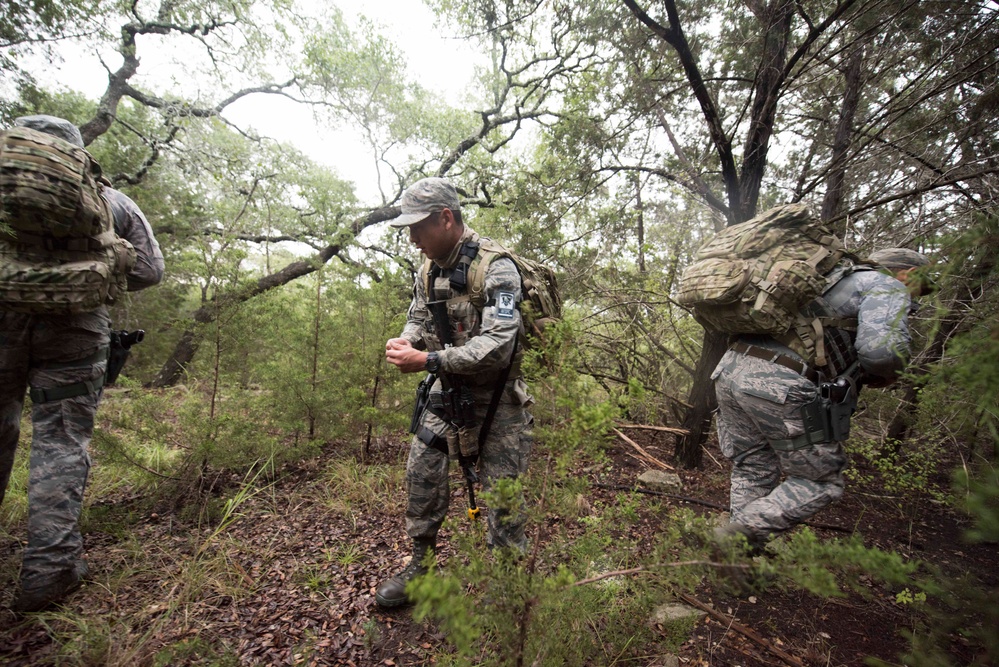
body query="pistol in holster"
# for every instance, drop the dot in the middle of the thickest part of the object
(422, 400)
(827, 418)
(121, 345)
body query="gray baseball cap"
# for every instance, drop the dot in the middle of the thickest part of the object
(899, 258)
(57, 127)
(426, 196)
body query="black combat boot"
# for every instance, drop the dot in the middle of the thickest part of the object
(41, 593)
(392, 593)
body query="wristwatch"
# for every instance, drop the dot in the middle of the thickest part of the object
(433, 363)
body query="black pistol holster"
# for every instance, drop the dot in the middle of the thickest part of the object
(827, 418)
(121, 345)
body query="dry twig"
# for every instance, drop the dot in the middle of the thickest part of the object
(746, 632)
(648, 458)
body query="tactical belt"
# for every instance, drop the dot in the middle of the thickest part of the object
(80, 388)
(799, 367)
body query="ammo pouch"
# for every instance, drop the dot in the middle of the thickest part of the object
(827, 418)
(466, 441)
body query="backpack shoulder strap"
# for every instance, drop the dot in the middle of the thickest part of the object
(424, 277)
(489, 250)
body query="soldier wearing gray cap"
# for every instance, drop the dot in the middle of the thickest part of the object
(63, 359)
(905, 265)
(787, 457)
(424, 197)
(482, 356)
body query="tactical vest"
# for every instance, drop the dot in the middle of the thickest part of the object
(463, 288)
(452, 285)
(541, 301)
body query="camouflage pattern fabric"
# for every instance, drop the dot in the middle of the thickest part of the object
(755, 276)
(49, 187)
(484, 342)
(131, 224)
(504, 453)
(40, 351)
(63, 256)
(760, 402)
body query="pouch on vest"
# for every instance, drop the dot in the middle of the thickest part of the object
(61, 255)
(754, 277)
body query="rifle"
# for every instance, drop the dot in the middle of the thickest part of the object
(121, 345)
(459, 409)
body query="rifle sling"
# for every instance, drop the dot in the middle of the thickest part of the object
(444, 334)
(487, 422)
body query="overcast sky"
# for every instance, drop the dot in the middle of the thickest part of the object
(438, 62)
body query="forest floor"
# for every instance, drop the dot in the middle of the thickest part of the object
(290, 578)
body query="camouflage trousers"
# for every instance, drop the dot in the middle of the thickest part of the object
(771, 490)
(46, 353)
(504, 453)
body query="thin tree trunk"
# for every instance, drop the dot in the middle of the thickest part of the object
(641, 224)
(697, 421)
(835, 183)
(367, 439)
(216, 370)
(173, 368)
(315, 357)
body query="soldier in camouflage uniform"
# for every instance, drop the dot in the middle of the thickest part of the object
(780, 477)
(63, 359)
(483, 343)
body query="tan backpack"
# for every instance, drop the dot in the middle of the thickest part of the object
(59, 253)
(542, 303)
(755, 277)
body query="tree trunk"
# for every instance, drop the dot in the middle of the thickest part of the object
(770, 77)
(187, 346)
(841, 143)
(742, 203)
(697, 421)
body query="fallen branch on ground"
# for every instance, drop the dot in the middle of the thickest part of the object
(748, 633)
(648, 458)
(652, 568)
(649, 427)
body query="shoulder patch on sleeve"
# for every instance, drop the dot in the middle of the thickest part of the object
(505, 305)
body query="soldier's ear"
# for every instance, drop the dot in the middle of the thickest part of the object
(447, 218)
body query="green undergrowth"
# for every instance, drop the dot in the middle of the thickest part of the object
(587, 591)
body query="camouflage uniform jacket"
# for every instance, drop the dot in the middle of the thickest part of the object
(131, 225)
(880, 304)
(483, 340)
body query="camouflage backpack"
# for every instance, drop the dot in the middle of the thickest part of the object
(755, 277)
(542, 303)
(59, 253)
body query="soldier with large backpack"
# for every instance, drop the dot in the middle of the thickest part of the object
(69, 245)
(465, 329)
(809, 324)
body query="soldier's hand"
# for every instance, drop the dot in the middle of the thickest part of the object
(400, 353)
